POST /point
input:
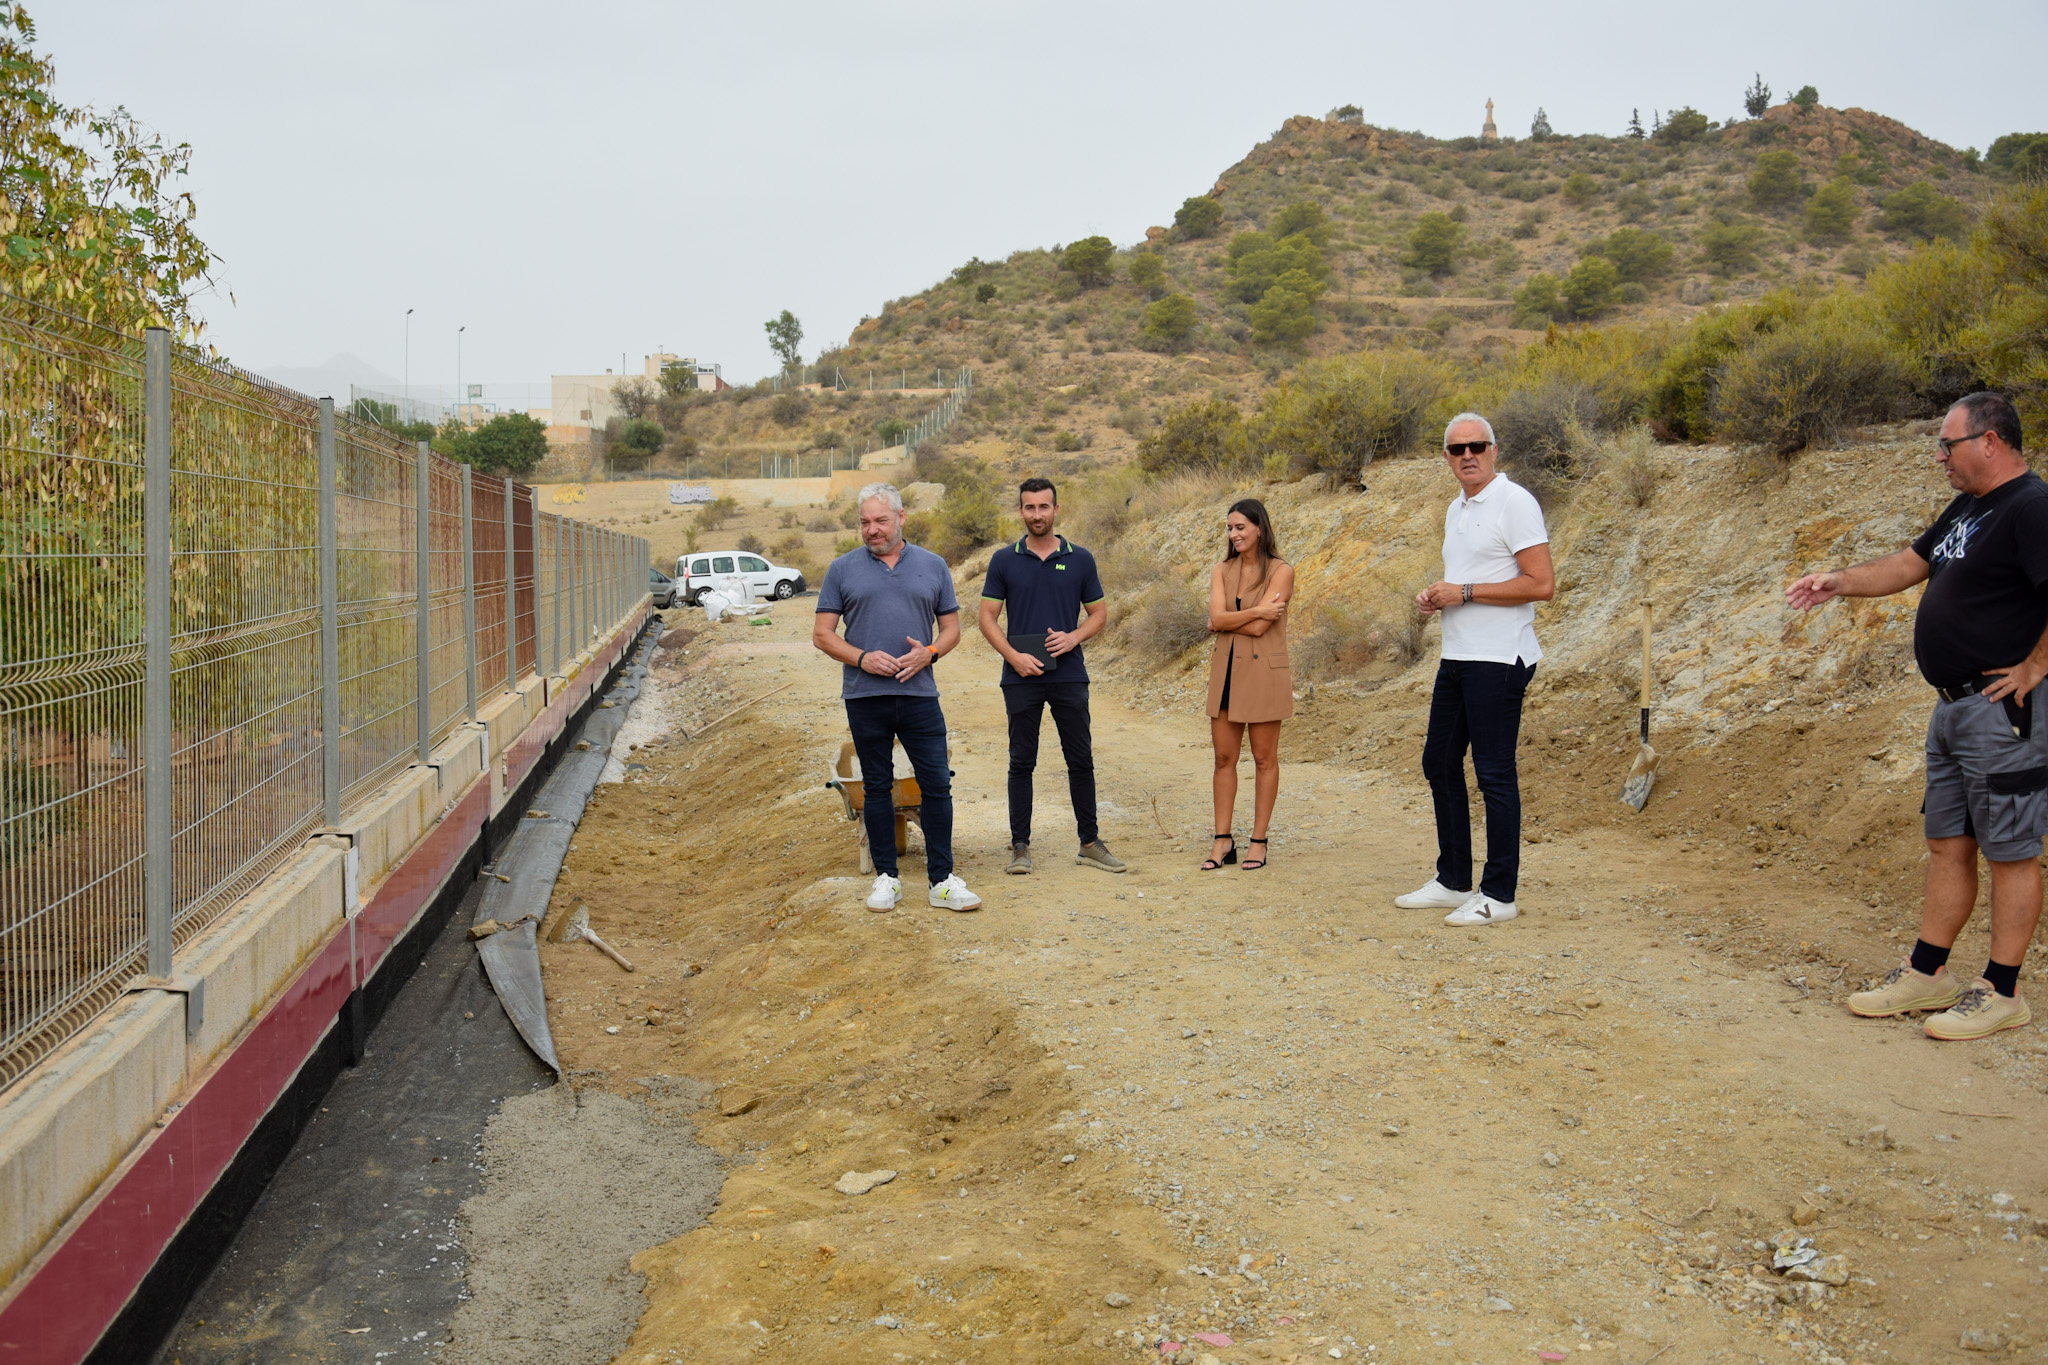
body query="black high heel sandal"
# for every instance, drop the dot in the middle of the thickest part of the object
(1249, 865)
(1211, 865)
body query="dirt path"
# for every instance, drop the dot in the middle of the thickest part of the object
(1266, 1107)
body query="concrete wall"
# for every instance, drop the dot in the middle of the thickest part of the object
(76, 1126)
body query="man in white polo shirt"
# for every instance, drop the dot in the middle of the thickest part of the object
(1496, 568)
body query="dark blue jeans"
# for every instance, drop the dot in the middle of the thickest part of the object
(1026, 702)
(1476, 706)
(878, 724)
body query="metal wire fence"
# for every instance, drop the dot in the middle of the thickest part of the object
(228, 613)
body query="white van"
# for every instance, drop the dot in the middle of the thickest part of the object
(765, 579)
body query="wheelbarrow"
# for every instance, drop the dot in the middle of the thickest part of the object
(846, 780)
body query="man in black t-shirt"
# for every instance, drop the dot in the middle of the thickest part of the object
(1981, 639)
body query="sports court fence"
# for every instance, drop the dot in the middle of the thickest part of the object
(228, 612)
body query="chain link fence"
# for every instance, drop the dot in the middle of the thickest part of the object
(228, 613)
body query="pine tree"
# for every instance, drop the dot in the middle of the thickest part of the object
(1635, 124)
(1757, 98)
(1540, 129)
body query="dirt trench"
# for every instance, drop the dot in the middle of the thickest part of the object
(1266, 1116)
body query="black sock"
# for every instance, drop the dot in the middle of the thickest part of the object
(1928, 959)
(2005, 980)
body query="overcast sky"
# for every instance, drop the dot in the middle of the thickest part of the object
(574, 182)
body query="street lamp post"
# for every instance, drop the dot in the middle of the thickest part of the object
(407, 380)
(459, 393)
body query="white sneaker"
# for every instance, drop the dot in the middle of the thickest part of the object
(887, 891)
(952, 894)
(1433, 895)
(1481, 910)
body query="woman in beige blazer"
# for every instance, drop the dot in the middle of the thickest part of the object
(1250, 685)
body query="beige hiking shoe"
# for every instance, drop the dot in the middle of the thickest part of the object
(1980, 1013)
(1097, 854)
(1020, 861)
(1904, 990)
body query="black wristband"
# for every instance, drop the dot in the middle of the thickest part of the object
(861, 662)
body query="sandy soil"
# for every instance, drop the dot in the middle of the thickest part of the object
(1266, 1106)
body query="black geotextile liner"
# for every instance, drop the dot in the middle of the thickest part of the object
(532, 858)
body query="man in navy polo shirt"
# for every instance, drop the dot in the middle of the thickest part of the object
(892, 595)
(1052, 591)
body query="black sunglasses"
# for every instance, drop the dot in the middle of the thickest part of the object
(1460, 447)
(1948, 444)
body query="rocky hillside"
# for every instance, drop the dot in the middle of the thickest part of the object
(1704, 214)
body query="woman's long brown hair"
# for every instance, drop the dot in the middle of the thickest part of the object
(1254, 511)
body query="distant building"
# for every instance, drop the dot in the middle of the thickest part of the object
(583, 403)
(1489, 133)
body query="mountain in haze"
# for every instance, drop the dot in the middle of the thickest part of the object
(332, 378)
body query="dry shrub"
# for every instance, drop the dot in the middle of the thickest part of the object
(1350, 637)
(1634, 458)
(1545, 431)
(1805, 383)
(1169, 618)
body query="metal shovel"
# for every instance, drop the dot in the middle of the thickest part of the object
(579, 927)
(1643, 776)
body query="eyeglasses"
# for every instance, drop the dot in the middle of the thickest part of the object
(1477, 447)
(1948, 445)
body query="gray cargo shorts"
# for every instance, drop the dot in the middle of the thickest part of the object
(1985, 780)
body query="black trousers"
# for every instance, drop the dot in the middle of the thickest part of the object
(1026, 703)
(1477, 706)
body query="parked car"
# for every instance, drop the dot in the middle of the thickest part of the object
(662, 587)
(763, 578)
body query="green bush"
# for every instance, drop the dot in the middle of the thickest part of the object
(1831, 213)
(1336, 416)
(1776, 182)
(1806, 98)
(1682, 393)
(1199, 216)
(789, 408)
(1148, 273)
(1686, 125)
(1580, 189)
(1170, 323)
(638, 437)
(1303, 219)
(1537, 302)
(1589, 289)
(1730, 248)
(1208, 434)
(1256, 262)
(1089, 260)
(2021, 154)
(1638, 255)
(967, 518)
(2012, 336)
(1433, 245)
(1286, 314)
(1805, 383)
(1929, 303)
(890, 431)
(1921, 212)
(714, 514)
(510, 443)
(984, 291)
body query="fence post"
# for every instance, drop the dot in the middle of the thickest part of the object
(156, 649)
(330, 625)
(574, 529)
(423, 544)
(468, 593)
(511, 597)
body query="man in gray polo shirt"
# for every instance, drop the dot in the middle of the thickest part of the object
(901, 618)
